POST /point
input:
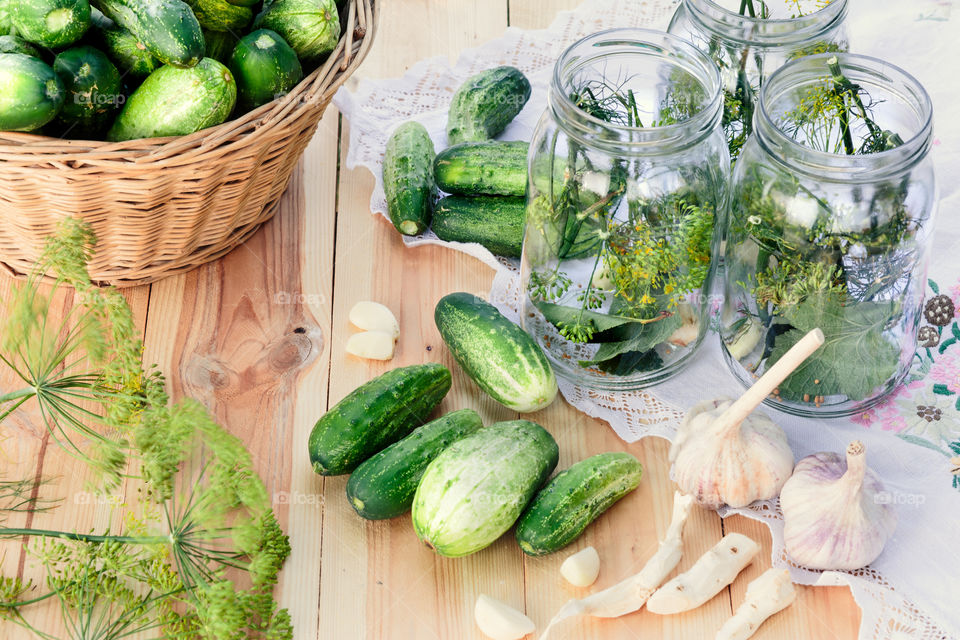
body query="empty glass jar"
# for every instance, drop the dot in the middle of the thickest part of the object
(750, 39)
(628, 173)
(833, 202)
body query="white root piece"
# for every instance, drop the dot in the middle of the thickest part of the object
(707, 577)
(500, 621)
(629, 595)
(373, 316)
(767, 594)
(582, 568)
(372, 345)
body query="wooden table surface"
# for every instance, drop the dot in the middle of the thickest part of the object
(258, 336)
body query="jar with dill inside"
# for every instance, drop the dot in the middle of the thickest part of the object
(628, 174)
(750, 39)
(833, 201)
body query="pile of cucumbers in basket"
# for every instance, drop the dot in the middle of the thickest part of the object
(486, 178)
(129, 69)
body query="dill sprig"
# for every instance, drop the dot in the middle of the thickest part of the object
(198, 554)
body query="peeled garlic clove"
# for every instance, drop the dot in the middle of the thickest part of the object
(689, 330)
(582, 568)
(722, 462)
(373, 316)
(745, 340)
(499, 621)
(372, 345)
(836, 513)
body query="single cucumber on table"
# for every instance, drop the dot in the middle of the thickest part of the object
(265, 67)
(383, 486)
(177, 102)
(93, 90)
(496, 222)
(475, 490)
(122, 47)
(376, 415)
(32, 92)
(16, 44)
(408, 178)
(483, 168)
(575, 498)
(486, 103)
(51, 23)
(167, 28)
(498, 355)
(310, 27)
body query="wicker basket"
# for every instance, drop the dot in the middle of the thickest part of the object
(165, 205)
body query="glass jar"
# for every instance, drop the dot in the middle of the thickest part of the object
(750, 39)
(628, 172)
(833, 201)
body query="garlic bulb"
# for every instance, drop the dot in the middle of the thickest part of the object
(836, 513)
(720, 460)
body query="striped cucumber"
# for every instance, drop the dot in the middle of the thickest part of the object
(498, 355)
(51, 23)
(486, 103)
(32, 93)
(483, 168)
(177, 102)
(475, 490)
(408, 178)
(495, 222)
(575, 498)
(310, 27)
(383, 486)
(376, 415)
(167, 28)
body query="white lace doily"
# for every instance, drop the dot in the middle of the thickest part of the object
(911, 592)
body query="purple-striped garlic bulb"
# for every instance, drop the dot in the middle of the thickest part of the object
(721, 461)
(836, 512)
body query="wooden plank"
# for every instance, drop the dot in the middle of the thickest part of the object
(248, 335)
(378, 581)
(63, 479)
(537, 14)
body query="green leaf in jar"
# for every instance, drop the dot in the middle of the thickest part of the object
(855, 358)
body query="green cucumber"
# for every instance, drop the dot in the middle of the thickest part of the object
(498, 355)
(32, 93)
(311, 27)
(408, 178)
(93, 90)
(376, 415)
(167, 28)
(16, 44)
(485, 104)
(475, 490)
(124, 49)
(483, 168)
(383, 486)
(575, 498)
(220, 15)
(219, 46)
(51, 23)
(264, 67)
(176, 102)
(495, 222)
(6, 18)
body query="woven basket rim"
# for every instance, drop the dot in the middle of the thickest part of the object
(315, 89)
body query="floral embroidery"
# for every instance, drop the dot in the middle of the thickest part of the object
(925, 410)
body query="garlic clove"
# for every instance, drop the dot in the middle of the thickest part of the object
(499, 621)
(836, 512)
(689, 330)
(373, 316)
(582, 568)
(745, 340)
(372, 345)
(720, 462)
